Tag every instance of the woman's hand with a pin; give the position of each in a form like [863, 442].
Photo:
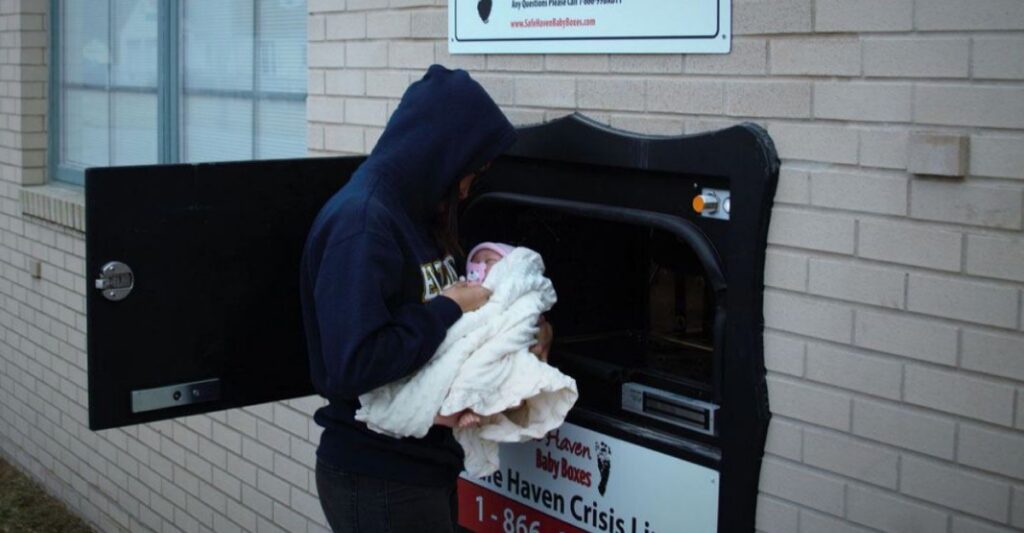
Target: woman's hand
[544, 337]
[469, 296]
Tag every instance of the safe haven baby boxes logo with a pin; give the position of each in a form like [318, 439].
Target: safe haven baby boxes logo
[562, 467]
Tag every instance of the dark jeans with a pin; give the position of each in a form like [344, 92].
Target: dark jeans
[356, 503]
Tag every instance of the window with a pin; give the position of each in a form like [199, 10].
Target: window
[166, 81]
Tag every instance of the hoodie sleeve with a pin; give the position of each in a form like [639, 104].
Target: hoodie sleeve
[364, 343]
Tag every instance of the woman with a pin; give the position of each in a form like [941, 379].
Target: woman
[379, 290]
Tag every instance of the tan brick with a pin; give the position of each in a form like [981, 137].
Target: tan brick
[785, 439]
[910, 244]
[386, 83]
[811, 522]
[387, 24]
[315, 82]
[995, 257]
[747, 56]
[366, 54]
[937, 154]
[897, 334]
[862, 101]
[325, 109]
[970, 301]
[863, 15]
[889, 512]
[468, 62]
[916, 57]
[816, 231]
[963, 524]
[346, 26]
[800, 484]
[997, 156]
[771, 16]
[429, 23]
[844, 455]
[648, 125]
[611, 94]
[414, 54]
[775, 516]
[794, 186]
[315, 27]
[850, 370]
[515, 62]
[811, 142]
[321, 54]
[501, 87]
[646, 64]
[810, 403]
[1017, 517]
[942, 484]
[785, 270]
[954, 392]
[815, 56]
[808, 316]
[966, 203]
[998, 58]
[875, 193]
[576, 63]
[784, 99]
[347, 82]
[547, 91]
[347, 139]
[784, 354]
[883, 148]
[994, 353]
[1000, 452]
[857, 282]
[685, 96]
[970, 105]
[970, 15]
[365, 112]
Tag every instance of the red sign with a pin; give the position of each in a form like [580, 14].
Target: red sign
[485, 511]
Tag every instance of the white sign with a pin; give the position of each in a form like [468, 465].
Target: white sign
[589, 26]
[580, 480]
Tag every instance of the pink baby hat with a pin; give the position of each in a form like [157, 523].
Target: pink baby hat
[476, 272]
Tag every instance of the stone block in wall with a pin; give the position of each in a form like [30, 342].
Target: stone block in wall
[776, 516]
[843, 454]
[747, 56]
[785, 270]
[545, 91]
[963, 299]
[857, 282]
[966, 203]
[811, 403]
[998, 156]
[785, 439]
[959, 393]
[994, 353]
[996, 257]
[812, 230]
[960, 15]
[847, 369]
[693, 96]
[905, 427]
[938, 154]
[815, 56]
[998, 58]
[887, 511]
[952, 487]
[909, 244]
[776, 98]
[801, 484]
[997, 451]
[872, 193]
[771, 16]
[345, 26]
[970, 105]
[614, 94]
[862, 101]
[863, 15]
[815, 142]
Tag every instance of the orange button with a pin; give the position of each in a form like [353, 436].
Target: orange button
[698, 203]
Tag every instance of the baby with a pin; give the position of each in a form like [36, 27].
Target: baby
[482, 257]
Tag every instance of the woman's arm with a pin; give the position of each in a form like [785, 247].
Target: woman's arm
[364, 343]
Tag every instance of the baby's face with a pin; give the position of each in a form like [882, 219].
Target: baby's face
[487, 257]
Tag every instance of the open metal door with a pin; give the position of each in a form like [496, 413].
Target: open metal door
[193, 271]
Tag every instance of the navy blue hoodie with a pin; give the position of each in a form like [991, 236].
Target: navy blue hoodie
[371, 272]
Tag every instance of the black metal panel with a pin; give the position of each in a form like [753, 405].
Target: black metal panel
[215, 251]
[577, 159]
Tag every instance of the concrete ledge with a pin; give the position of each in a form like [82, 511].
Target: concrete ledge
[60, 204]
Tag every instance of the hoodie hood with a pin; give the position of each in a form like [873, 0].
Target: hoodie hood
[445, 127]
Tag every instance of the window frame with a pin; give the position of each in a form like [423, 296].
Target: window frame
[170, 90]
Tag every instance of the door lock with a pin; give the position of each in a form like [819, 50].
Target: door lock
[116, 281]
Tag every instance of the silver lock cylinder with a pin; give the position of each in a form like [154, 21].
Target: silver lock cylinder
[116, 281]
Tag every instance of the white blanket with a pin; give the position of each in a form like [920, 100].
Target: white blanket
[484, 364]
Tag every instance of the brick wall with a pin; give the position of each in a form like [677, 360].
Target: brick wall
[893, 307]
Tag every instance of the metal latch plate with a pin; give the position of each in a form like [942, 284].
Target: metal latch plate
[175, 395]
